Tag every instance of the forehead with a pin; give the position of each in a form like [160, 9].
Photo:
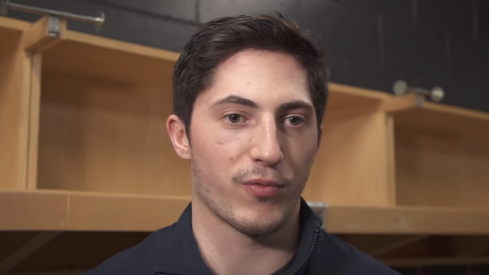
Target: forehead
[259, 75]
[246, 59]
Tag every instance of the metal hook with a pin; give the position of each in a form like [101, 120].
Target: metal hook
[401, 87]
[96, 21]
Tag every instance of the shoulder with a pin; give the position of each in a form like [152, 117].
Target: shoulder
[139, 259]
[334, 256]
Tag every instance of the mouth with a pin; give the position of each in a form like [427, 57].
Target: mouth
[263, 188]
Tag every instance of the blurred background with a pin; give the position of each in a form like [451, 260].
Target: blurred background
[101, 129]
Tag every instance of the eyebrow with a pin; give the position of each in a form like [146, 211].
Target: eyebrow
[288, 106]
[232, 99]
[297, 104]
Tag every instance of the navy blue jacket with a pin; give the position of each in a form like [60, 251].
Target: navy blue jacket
[173, 250]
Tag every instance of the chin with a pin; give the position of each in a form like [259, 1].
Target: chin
[258, 222]
[257, 228]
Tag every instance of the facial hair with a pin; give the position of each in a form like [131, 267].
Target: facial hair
[222, 207]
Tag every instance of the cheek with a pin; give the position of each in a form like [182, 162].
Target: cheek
[224, 147]
[207, 179]
[215, 153]
[227, 137]
[303, 156]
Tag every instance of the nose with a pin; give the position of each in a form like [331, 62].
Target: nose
[266, 145]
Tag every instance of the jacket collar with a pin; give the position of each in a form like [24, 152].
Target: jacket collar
[182, 255]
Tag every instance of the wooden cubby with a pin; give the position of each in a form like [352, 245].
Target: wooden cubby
[353, 161]
[85, 160]
[102, 119]
[442, 157]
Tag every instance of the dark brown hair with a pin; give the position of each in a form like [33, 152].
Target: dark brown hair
[221, 38]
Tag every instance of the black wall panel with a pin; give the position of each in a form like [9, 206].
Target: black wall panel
[371, 43]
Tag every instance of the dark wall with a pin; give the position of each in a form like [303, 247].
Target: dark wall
[371, 43]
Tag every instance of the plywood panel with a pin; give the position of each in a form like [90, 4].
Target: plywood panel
[34, 109]
[14, 110]
[84, 211]
[442, 167]
[11, 27]
[108, 136]
[90, 212]
[93, 56]
[32, 210]
[352, 163]
[406, 220]
[444, 119]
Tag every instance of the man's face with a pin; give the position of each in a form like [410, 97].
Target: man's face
[253, 140]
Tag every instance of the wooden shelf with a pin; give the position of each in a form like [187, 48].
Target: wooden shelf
[84, 211]
[406, 220]
[88, 211]
[109, 59]
[423, 115]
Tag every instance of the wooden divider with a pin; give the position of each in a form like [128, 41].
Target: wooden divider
[14, 104]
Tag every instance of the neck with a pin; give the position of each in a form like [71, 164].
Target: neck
[228, 251]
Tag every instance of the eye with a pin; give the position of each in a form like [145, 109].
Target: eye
[294, 120]
[233, 118]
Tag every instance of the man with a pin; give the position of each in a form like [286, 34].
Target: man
[249, 97]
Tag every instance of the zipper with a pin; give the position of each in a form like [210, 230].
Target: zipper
[316, 235]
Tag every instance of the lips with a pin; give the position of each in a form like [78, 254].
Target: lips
[262, 188]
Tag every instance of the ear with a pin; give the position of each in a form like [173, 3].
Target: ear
[178, 136]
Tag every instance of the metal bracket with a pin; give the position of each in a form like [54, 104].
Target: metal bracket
[418, 101]
[4, 7]
[96, 21]
[53, 26]
[436, 94]
[320, 209]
